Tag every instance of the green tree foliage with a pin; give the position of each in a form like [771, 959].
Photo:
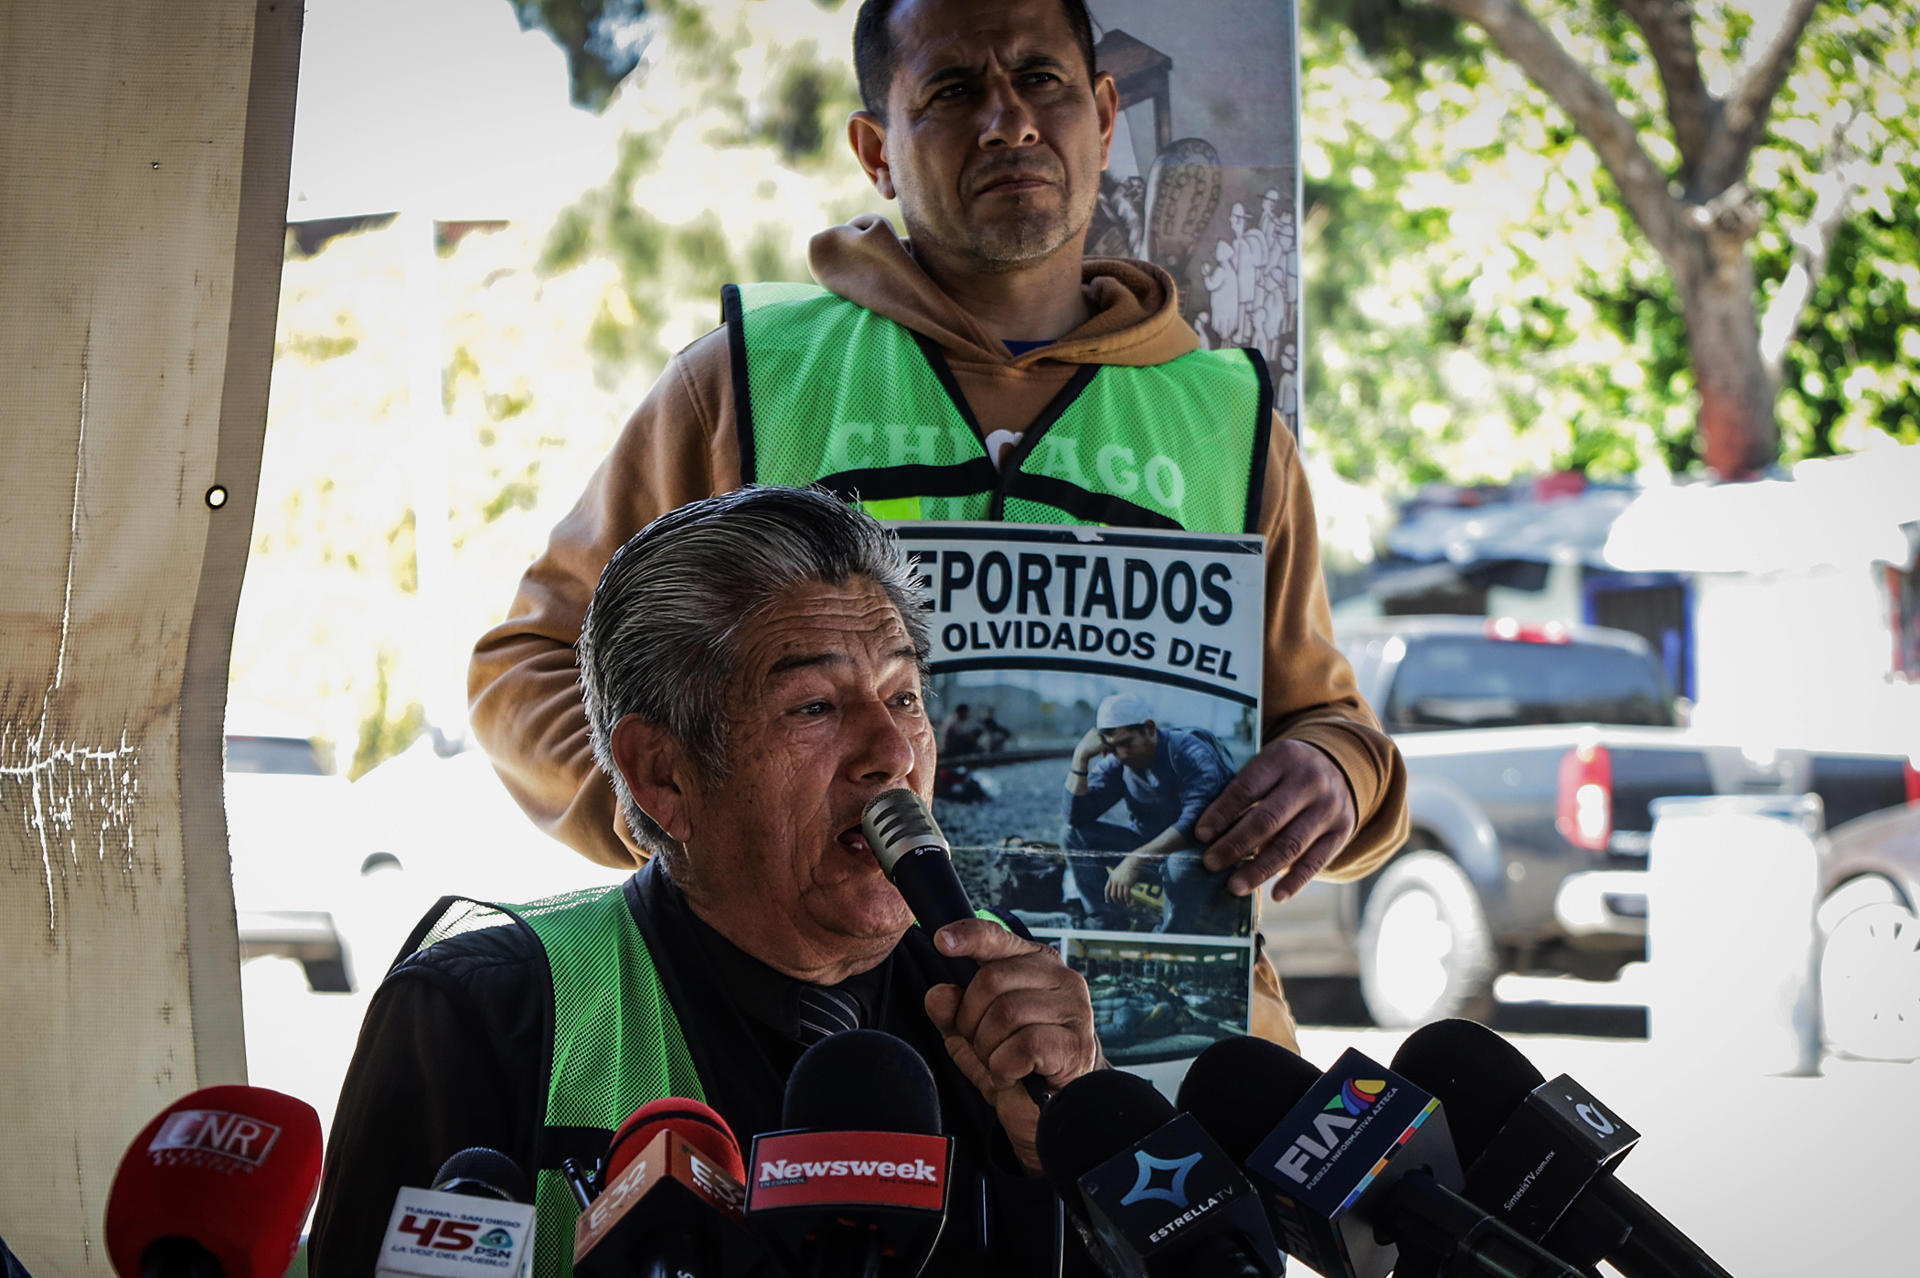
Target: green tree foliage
[732, 153]
[1481, 303]
[722, 156]
[603, 40]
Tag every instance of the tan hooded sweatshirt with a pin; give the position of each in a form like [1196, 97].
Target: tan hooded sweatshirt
[680, 444]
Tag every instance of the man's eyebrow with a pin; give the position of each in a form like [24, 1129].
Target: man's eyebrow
[812, 660]
[1035, 61]
[805, 661]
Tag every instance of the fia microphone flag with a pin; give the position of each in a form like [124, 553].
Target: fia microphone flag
[230, 1169]
[1344, 1144]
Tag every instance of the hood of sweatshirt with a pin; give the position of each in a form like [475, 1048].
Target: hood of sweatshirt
[1135, 312]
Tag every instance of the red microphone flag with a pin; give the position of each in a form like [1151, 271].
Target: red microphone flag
[232, 1168]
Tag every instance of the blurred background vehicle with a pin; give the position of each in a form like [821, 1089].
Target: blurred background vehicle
[433, 824]
[1533, 753]
[289, 835]
[1869, 936]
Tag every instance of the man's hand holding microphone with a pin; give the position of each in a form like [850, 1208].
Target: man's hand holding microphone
[1016, 1019]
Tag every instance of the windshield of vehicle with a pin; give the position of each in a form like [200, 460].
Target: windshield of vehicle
[1461, 681]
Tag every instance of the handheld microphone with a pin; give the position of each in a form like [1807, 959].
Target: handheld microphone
[918, 861]
[218, 1185]
[1148, 1188]
[1543, 1154]
[1358, 1164]
[671, 1202]
[476, 1219]
[857, 1184]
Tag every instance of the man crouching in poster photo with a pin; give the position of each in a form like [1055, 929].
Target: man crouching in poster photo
[1163, 779]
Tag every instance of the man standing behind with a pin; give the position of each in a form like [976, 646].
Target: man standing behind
[1164, 778]
[953, 376]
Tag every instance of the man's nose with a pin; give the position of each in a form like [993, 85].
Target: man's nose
[882, 747]
[1009, 121]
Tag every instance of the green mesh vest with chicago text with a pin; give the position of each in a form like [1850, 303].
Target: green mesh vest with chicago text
[616, 1042]
[829, 392]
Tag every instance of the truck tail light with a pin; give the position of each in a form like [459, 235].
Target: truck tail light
[1583, 808]
[1912, 771]
[1513, 631]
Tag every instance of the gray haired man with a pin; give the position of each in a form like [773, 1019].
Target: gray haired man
[752, 672]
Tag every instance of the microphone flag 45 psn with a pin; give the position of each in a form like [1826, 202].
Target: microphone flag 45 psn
[1148, 1188]
[1542, 1154]
[857, 1184]
[673, 1202]
[918, 861]
[476, 1221]
[218, 1184]
[1357, 1163]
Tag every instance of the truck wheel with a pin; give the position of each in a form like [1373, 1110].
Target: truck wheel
[1864, 889]
[1425, 953]
[1870, 984]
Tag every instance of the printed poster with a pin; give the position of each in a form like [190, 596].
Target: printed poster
[1132, 657]
[1204, 176]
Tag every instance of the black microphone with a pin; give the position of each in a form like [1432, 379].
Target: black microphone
[1542, 1154]
[856, 1186]
[1148, 1189]
[478, 1215]
[484, 1173]
[1358, 1163]
[918, 861]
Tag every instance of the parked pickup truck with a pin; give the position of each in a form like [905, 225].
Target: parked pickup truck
[1532, 755]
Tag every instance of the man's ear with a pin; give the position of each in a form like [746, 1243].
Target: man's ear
[1106, 105]
[867, 135]
[658, 772]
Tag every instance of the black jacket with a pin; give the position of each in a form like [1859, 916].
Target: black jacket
[452, 1055]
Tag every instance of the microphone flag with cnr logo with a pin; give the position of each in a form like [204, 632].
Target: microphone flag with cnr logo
[231, 1170]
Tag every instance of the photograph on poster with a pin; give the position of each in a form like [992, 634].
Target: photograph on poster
[1023, 842]
[1156, 1000]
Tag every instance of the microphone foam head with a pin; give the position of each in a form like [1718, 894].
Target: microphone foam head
[697, 1124]
[1093, 1118]
[1241, 1087]
[862, 1080]
[231, 1168]
[1478, 1077]
[896, 822]
[483, 1173]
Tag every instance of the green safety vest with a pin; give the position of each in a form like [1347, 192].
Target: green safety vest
[830, 393]
[616, 1042]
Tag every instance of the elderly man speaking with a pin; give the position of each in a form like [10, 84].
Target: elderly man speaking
[752, 671]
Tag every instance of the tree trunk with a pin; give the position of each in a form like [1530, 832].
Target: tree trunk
[1737, 430]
